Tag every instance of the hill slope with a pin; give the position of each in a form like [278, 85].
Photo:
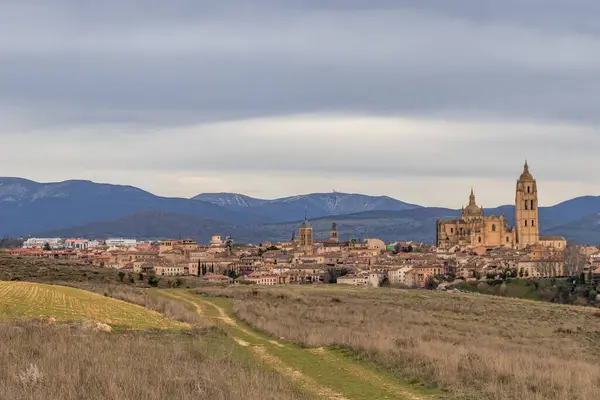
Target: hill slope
[156, 225]
[417, 225]
[584, 230]
[26, 300]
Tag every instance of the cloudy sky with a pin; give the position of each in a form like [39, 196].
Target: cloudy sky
[418, 100]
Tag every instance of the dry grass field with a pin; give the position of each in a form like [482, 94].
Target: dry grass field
[470, 346]
[25, 300]
[50, 351]
[63, 361]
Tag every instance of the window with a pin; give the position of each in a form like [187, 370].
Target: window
[532, 222]
[525, 222]
[526, 205]
[479, 239]
[507, 239]
[451, 230]
[531, 204]
[528, 189]
[493, 228]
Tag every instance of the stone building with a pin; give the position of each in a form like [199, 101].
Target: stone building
[475, 229]
[305, 237]
[526, 210]
[333, 234]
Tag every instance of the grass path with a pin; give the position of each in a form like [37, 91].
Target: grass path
[324, 373]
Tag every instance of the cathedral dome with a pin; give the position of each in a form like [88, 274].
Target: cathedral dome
[472, 208]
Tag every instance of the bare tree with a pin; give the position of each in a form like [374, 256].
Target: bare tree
[575, 261]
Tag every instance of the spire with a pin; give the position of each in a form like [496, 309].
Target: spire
[472, 198]
[305, 223]
[526, 175]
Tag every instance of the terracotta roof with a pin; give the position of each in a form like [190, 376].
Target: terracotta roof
[552, 238]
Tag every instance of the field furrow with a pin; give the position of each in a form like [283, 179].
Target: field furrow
[24, 300]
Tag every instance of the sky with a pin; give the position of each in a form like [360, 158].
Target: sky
[418, 100]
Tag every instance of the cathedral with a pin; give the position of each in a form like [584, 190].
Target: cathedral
[474, 228]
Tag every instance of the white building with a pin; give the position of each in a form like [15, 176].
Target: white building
[216, 240]
[120, 242]
[355, 280]
[79, 244]
[402, 275]
[54, 243]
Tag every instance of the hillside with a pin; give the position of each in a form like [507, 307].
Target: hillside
[314, 205]
[26, 300]
[584, 230]
[156, 225]
[466, 346]
[417, 225]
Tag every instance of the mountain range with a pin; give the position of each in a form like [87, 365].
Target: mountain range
[88, 209]
[316, 204]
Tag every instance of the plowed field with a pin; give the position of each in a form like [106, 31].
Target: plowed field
[24, 300]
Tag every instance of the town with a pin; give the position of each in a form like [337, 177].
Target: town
[474, 247]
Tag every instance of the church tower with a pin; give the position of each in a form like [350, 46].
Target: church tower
[305, 236]
[333, 234]
[526, 210]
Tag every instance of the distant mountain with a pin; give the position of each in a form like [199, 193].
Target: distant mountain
[84, 208]
[151, 225]
[419, 225]
[27, 207]
[584, 230]
[416, 224]
[314, 205]
[232, 201]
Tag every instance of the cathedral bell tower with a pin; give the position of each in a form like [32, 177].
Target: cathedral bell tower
[526, 210]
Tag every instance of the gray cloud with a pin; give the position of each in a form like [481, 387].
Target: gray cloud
[117, 72]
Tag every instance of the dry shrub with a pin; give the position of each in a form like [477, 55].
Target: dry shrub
[475, 346]
[68, 362]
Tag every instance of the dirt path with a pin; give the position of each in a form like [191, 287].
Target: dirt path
[320, 372]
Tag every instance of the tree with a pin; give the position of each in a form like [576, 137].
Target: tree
[334, 273]
[121, 275]
[141, 276]
[574, 260]
[47, 246]
[231, 273]
[430, 283]
[153, 281]
[521, 272]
